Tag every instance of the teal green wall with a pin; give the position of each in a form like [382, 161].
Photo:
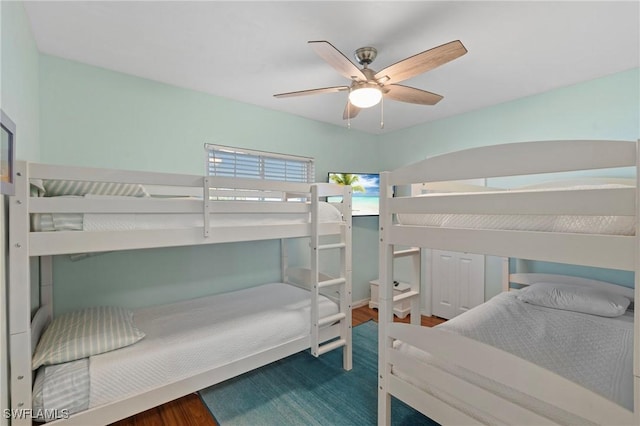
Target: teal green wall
[19, 88]
[605, 108]
[19, 99]
[95, 117]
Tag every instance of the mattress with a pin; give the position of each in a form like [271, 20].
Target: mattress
[41, 222]
[592, 351]
[182, 339]
[609, 225]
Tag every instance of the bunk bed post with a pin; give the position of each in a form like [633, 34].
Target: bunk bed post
[315, 275]
[206, 206]
[636, 322]
[385, 299]
[19, 300]
[46, 285]
[415, 286]
[284, 260]
[347, 272]
[505, 274]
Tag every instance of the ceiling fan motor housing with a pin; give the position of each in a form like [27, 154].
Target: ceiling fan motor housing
[366, 55]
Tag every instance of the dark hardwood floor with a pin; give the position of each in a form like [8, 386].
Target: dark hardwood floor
[190, 411]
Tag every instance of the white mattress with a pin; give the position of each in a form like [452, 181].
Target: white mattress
[609, 225]
[140, 221]
[595, 352]
[187, 338]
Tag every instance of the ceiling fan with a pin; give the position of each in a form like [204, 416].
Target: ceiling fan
[368, 86]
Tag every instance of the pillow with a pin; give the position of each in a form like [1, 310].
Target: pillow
[84, 333]
[575, 298]
[55, 188]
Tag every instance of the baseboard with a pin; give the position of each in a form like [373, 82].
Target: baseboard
[360, 303]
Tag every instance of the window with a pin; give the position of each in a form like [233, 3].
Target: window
[226, 161]
[243, 163]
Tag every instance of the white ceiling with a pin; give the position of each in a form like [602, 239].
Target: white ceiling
[248, 51]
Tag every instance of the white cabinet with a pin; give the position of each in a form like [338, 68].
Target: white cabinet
[457, 282]
[401, 308]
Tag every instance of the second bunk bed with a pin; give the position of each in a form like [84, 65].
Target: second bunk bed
[559, 351]
[140, 358]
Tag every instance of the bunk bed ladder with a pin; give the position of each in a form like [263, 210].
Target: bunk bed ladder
[320, 281]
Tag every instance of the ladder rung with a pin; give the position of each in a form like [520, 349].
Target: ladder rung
[408, 252]
[331, 246]
[405, 295]
[334, 281]
[331, 319]
[331, 346]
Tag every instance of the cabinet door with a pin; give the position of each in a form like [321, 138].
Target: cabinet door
[457, 282]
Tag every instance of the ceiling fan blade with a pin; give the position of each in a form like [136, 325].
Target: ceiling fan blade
[412, 95]
[337, 60]
[422, 62]
[350, 111]
[312, 91]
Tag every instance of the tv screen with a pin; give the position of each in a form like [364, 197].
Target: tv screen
[365, 191]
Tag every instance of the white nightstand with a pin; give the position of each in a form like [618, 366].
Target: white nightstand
[401, 308]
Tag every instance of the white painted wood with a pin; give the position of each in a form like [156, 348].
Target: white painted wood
[4, 347]
[401, 308]
[588, 202]
[636, 337]
[427, 403]
[608, 251]
[57, 172]
[605, 251]
[505, 274]
[19, 300]
[441, 379]
[468, 185]
[48, 243]
[457, 282]
[385, 297]
[515, 159]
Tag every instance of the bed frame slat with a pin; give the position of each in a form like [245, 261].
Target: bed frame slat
[605, 251]
[592, 202]
[516, 159]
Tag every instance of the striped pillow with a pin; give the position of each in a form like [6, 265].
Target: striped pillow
[55, 188]
[84, 333]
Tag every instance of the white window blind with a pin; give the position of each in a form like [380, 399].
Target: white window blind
[243, 163]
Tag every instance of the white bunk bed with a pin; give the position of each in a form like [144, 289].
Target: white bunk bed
[309, 309]
[448, 373]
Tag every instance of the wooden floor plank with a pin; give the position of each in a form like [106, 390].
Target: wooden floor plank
[190, 411]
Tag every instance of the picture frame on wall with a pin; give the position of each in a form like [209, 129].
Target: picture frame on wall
[7, 154]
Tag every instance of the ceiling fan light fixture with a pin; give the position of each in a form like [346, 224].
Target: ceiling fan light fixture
[365, 96]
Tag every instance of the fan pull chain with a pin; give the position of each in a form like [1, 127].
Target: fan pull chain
[382, 113]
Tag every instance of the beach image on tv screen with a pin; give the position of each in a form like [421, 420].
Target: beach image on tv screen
[365, 191]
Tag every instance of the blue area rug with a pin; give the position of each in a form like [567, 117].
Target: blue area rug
[303, 390]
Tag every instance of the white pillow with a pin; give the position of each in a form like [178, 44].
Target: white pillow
[575, 298]
[84, 333]
[56, 188]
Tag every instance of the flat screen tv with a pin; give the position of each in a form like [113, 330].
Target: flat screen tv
[365, 194]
